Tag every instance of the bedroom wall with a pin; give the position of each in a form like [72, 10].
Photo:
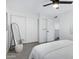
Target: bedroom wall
[31, 25]
[66, 25]
[28, 24]
[8, 36]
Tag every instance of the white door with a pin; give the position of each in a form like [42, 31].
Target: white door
[20, 20]
[46, 30]
[50, 30]
[31, 29]
[42, 30]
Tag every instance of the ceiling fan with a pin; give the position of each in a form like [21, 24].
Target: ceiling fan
[57, 2]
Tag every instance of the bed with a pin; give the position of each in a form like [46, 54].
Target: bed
[62, 49]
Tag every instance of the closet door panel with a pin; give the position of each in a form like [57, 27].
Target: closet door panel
[20, 20]
[42, 30]
[46, 30]
[50, 30]
[31, 29]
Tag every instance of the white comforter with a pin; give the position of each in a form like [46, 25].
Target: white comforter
[62, 49]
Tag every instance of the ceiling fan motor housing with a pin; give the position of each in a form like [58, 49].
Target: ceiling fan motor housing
[55, 1]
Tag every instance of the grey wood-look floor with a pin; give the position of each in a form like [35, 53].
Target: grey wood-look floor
[24, 54]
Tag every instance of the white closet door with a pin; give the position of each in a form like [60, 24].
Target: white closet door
[50, 30]
[31, 29]
[46, 30]
[20, 20]
[42, 30]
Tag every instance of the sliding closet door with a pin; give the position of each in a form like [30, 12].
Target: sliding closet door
[31, 29]
[20, 20]
[50, 30]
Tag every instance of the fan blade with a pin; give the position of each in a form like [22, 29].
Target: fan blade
[65, 2]
[47, 4]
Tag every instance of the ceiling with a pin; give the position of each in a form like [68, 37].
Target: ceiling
[36, 6]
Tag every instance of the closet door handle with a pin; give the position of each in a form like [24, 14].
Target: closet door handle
[47, 31]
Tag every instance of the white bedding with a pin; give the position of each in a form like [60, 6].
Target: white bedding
[62, 49]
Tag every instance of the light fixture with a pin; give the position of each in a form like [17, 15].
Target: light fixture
[56, 6]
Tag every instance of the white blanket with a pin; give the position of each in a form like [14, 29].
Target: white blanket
[54, 50]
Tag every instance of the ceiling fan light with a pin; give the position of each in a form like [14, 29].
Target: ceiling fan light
[56, 6]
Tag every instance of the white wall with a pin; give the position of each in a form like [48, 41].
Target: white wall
[7, 42]
[31, 25]
[8, 36]
[20, 20]
[66, 25]
[28, 24]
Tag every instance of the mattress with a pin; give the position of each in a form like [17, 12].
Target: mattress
[62, 49]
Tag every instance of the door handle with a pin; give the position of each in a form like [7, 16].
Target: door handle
[47, 31]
